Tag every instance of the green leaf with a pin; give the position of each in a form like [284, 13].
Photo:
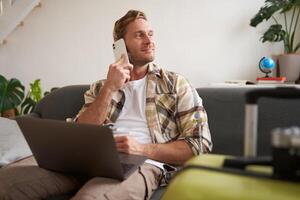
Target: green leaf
[36, 90]
[292, 40]
[263, 14]
[267, 11]
[297, 47]
[3, 88]
[33, 96]
[297, 2]
[12, 93]
[287, 5]
[270, 9]
[274, 34]
[27, 106]
[287, 47]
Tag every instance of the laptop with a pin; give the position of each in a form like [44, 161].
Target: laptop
[74, 148]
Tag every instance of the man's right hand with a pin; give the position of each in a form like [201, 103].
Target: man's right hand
[118, 73]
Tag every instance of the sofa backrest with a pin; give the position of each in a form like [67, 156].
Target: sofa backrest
[226, 114]
[225, 108]
[62, 103]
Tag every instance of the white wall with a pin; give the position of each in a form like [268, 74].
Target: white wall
[13, 13]
[69, 41]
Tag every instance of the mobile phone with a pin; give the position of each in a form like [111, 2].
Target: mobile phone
[119, 48]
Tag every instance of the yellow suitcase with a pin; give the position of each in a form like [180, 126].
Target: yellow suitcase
[224, 177]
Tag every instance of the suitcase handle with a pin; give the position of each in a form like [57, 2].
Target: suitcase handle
[279, 92]
[251, 112]
[243, 162]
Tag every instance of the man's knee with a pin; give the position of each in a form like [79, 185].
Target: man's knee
[139, 185]
[32, 182]
[12, 176]
[19, 182]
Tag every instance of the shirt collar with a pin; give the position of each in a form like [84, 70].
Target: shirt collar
[154, 69]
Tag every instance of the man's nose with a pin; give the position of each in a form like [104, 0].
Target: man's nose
[148, 39]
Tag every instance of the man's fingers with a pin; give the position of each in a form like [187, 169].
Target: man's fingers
[123, 150]
[122, 145]
[125, 71]
[124, 57]
[121, 138]
[126, 65]
[123, 63]
[127, 76]
[121, 60]
[124, 60]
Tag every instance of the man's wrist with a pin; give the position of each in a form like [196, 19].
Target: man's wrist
[104, 99]
[109, 88]
[149, 150]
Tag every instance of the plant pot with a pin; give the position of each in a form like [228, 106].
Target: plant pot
[9, 113]
[289, 66]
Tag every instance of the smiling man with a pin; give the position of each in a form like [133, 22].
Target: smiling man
[160, 113]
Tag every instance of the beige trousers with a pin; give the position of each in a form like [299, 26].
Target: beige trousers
[24, 180]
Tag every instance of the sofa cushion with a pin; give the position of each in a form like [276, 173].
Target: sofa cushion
[13, 145]
[62, 103]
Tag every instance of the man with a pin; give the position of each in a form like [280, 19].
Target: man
[158, 113]
[159, 110]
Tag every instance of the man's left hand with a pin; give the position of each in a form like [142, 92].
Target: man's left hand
[127, 144]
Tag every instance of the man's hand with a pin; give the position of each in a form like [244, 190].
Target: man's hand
[127, 144]
[118, 73]
[176, 152]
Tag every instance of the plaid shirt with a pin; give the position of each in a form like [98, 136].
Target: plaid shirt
[174, 109]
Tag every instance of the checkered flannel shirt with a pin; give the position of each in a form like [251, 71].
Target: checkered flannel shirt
[174, 109]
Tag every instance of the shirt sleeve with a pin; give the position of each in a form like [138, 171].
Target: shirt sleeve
[191, 118]
[89, 97]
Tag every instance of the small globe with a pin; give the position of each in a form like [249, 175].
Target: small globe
[266, 65]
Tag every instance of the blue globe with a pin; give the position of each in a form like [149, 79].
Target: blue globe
[266, 65]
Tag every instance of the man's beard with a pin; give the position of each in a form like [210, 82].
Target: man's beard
[140, 62]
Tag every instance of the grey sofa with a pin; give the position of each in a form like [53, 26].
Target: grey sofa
[225, 108]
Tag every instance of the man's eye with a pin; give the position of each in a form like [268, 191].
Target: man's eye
[138, 35]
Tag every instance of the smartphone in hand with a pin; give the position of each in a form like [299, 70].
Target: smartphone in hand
[119, 48]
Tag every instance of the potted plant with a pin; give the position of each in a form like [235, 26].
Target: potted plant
[12, 94]
[33, 96]
[285, 14]
[13, 100]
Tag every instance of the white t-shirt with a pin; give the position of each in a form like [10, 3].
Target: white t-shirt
[132, 119]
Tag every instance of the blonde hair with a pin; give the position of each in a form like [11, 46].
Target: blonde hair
[121, 24]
